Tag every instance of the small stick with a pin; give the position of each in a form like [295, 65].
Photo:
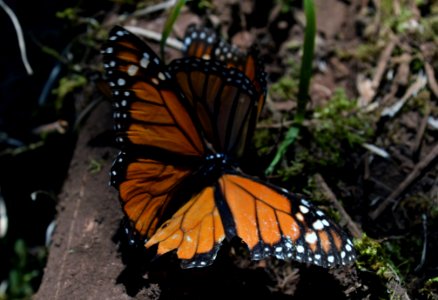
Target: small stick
[419, 137]
[430, 73]
[424, 251]
[354, 229]
[426, 161]
[156, 36]
[20, 37]
[383, 61]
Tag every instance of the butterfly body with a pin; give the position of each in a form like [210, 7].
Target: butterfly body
[183, 128]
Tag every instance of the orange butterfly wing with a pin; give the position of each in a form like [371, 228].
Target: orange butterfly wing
[204, 43]
[146, 187]
[150, 118]
[270, 220]
[148, 110]
[195, 231]
[274, 222]
[161, 111]
[224, 100]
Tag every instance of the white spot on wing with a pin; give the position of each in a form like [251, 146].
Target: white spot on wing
[300, 217]
[121, 81]
[144, 62]
[132, 70]
[311, 237]
[318, 225]
[161, 76]
[305, 202]
[303, 209]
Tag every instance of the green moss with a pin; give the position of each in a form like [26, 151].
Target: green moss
[336, 130]
[95, 166]
[285, 88]
[67, 85]
[23, 272]
[372, 257]
[340, 119]
[263, 141]
[338, 127]
[70, 14]
[430, 288]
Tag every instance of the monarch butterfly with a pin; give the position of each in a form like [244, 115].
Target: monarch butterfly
[182, 128]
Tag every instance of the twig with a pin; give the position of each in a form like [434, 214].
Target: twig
[424, 251]
[368, 88]
[383, 61]
[376, 150]
[172, 42]
[431, 78]
[412, 91]
[3, 218]
[123, 18]
[416, 146]
[284, 124]
[353, 228]
[430, 157]
[20, 37]
[153, 8]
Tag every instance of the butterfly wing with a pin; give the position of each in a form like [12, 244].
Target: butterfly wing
[146, 186]
[150, 118]
[271, 221]
[274, 222]
[200, 42]
[195, 231]
[204, 43]
[148, 110]
[224, 100]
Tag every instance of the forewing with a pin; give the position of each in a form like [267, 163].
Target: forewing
[149, 110]
[204, 43]
[224, 100]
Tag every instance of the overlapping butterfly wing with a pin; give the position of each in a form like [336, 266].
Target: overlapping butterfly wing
[149, 117]
[204, 43]
[271, 221]
[224, 99]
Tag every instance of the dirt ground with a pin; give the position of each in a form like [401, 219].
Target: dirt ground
[89, 257]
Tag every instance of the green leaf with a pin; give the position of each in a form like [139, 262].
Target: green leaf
[303, 88]
[169, 25]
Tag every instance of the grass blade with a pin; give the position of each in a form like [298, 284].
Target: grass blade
[303, 89]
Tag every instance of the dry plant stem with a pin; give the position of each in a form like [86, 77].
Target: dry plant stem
[413, 89]
[172, 42]
[20, 37]
[430, 73]
[145, 11]
[285, 124]
[154, 8]
[352, 227]
[416, 172]
[384, 58]
[420, 134]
